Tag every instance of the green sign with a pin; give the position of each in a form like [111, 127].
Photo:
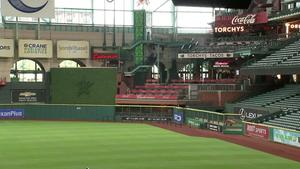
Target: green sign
[139, 35]
[194, 122]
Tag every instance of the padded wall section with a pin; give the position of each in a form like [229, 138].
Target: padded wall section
[83, 86]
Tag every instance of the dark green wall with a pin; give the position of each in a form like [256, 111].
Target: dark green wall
[5, 96]
[64, 112]
[7, 90]
[83, 86]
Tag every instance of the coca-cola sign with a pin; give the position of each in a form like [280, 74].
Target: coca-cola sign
[244, 20]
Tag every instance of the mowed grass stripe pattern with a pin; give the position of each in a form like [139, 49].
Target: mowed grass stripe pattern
[77, 145]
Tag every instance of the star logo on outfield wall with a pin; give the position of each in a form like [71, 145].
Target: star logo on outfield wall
[84, 87]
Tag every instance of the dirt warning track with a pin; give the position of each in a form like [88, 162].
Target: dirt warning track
[281, 150]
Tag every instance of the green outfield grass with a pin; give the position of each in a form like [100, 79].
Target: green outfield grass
[77, 145]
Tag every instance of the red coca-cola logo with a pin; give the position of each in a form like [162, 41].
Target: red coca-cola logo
[244, 20]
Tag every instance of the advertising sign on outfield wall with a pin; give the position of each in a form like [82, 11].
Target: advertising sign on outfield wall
[214, 127]
[11, 114]
[28, 96]
[178, 117]
[257, 131]
[7, 48]
[73, 49]
[286, 137]
[35, 49]
[28, 8]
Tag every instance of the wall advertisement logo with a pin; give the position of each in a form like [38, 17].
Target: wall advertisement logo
[257, 131]
[11, 113]
[35, 48]
[73, 49]
[286, 137]
[21, 6]
[247, 114]
[7, 48]
[3, 47]
[178, 117]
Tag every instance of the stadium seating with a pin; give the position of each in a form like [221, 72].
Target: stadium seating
[155, 91]
[284, 13]
[287, 97]
[291, 120]
[287, 56]
[218, 81]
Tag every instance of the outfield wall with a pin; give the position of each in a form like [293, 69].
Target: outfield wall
[83, 86]
[227, 123]
[58, 112]
[272, 133]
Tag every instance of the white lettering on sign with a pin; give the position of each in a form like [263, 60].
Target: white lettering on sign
[244, 20]
[295, 26]
[229, 29]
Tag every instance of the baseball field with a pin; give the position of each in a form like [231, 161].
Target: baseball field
[78, 145]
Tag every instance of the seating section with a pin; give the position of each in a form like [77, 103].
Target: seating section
[291, 120]
[156, 91]
[215, 81]
[284, 12]
[287, 97]
[287, 56]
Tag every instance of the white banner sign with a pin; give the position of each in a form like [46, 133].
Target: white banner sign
[204, 55]
[35, 49]
[7, 48]
[73, 49]
[286, 137]
[28, 8]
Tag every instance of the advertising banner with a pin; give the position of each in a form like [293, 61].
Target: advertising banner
[221, 64]
[11, 114]
[257, 131]
[244, 19]
[249, 113]
[204, 55]
[7, 48]
[28, 8]
[214, 127]
[286, 137]
[28, 96]
[35, 49]
[73, 49]
[178, 117]
[98, 53]
[194, 122]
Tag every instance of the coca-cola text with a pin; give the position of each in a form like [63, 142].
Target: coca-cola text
[244, 20]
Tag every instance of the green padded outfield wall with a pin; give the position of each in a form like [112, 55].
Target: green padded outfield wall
[83, 86]
[63, 112]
